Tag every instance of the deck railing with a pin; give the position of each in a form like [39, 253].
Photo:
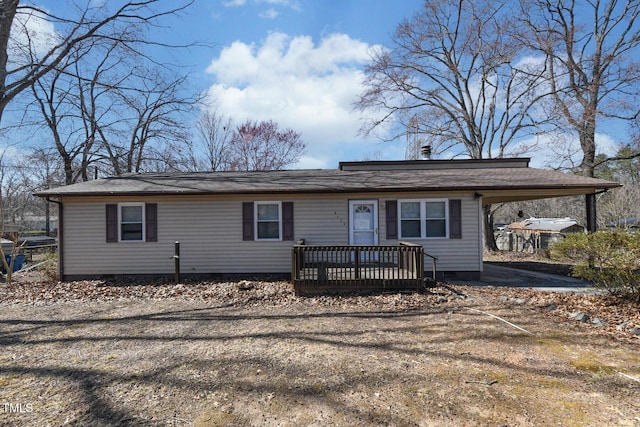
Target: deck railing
[357, 267]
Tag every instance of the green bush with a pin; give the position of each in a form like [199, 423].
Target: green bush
[609, 259]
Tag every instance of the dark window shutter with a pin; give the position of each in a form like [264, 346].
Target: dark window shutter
[112, 223]
[391, 208]
[455, 219]
[151, 222]
[247, 221]
[287, 220]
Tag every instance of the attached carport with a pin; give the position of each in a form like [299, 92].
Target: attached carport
[494, 180]
[557, 185]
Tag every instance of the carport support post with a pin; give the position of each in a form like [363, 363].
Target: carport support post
[176, 260]
[590, 201]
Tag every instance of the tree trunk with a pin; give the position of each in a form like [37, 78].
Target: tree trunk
[7, 12]
[588, 145]
[489, 237]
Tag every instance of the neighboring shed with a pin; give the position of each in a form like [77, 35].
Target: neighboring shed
[626, 223]
[535, 234]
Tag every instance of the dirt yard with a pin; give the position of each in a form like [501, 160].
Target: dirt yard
[252, 353]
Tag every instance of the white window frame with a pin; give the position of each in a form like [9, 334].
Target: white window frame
[144, 221]
[423, 218]
[256, 220]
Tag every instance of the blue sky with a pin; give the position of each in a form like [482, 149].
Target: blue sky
[297, 62]
[300, 62]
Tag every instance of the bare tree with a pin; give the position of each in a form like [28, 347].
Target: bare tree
[208, 150]
[41, 171]
[451, 79]
[219, 145]
[68, 101]
[51, 101]
[620, 206]
[263, 146]
[156, 109]
[214, 135]
[90, 21]
[12, 204]
[111, 107]
[117, 123]
[592, 72]
[12, 194]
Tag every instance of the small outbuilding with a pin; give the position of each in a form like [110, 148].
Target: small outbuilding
[536, 234]
[625, 223]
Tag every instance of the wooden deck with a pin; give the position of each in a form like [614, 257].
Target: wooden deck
[355, 268]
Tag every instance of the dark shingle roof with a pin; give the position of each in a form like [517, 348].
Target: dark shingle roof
[331, 181]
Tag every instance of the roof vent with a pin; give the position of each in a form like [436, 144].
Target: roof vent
[426, 152]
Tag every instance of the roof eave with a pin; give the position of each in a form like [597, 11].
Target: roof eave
[577, 188]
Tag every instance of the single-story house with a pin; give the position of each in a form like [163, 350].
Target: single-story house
[535, 234]
[248, 222]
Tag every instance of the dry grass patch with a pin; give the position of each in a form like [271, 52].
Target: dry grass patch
[399, 360]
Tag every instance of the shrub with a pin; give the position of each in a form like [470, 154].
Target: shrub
[50, 266]
[609, 259]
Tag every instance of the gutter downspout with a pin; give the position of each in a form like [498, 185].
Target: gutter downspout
[60, 238]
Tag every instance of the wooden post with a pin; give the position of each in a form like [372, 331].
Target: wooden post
[356, 259]
[294, 266]
[590, 201]
[176, 260]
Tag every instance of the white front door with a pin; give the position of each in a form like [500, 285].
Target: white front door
[363, 222]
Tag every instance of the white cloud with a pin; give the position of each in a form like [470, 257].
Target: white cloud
[292, 4]
[270, 13]
[234, 3]
[288, 3]
[307, 162]
[31, 34]
[563, 151]
[300, 85]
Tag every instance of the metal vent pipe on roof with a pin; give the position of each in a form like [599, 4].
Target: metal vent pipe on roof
[426, 152]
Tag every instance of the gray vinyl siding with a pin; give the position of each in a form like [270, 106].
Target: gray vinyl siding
[209, 229]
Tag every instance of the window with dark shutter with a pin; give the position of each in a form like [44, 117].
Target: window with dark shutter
[112, 222]
[127, 224]
[287, 220]
[391, 212]
[151, 222]
[426, 218]
[247, 221]
[131, 222]
[455, 219]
